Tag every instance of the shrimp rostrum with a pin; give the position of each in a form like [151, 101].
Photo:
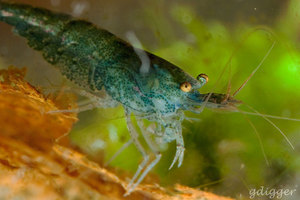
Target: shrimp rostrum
[96, 60]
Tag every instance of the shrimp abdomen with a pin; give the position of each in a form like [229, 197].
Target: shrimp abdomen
[77, 48]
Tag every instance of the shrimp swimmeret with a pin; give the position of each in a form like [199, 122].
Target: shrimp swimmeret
[146, 85]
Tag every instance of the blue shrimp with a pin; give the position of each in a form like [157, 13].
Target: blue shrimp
[97, 61]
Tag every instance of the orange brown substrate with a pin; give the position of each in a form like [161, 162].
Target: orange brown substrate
[23, 112]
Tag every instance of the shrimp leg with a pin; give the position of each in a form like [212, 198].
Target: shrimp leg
[148, 140]
[179, 148]
[93, 102]
[143, 165]
[154, 149]
[127, 144]
[134, 135]
[145, 172]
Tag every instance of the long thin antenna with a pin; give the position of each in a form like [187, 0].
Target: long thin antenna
[217, 82]
[214, 87]
[210, 183]
[268, 120]
[224, 69]
[261, 62]
[270, 116]
[258, 136]
[228, 85]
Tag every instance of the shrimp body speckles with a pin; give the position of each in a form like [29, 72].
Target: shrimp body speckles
[97, 60]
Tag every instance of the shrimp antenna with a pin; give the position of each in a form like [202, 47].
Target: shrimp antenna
[229, 84]
[210, 183]
[270, 116]
[214, 87]
[274, 125]
[261, 62]
[224, 69]
[258, 136]
[218, 80]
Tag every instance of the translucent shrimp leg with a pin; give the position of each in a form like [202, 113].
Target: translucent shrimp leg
[92, 102]
[134, 135]
[81, 108]
[179, 148]
[154, 149]
[127, 144]
[145, 172]
[148, 140]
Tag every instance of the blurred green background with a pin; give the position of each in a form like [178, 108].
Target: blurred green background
[223, 153]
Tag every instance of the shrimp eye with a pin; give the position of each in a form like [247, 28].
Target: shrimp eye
[186, 87]
[203, 78]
